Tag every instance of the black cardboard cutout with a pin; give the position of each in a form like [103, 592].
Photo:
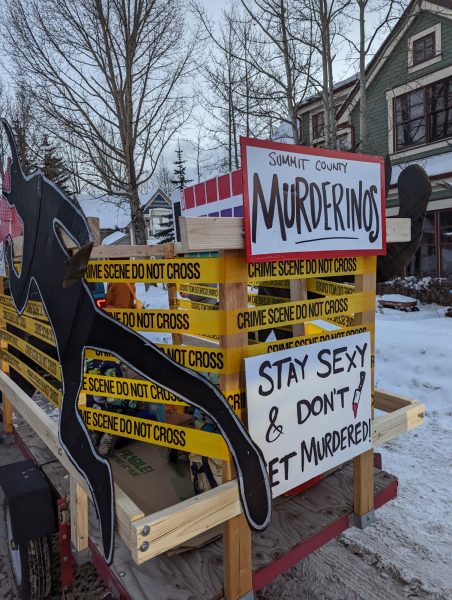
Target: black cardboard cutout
[77, 324]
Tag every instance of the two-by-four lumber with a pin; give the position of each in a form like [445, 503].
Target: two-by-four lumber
[363, 465]
[47, 429]
[223, 233]
[6, 405]
[237, 552]
[78, 506]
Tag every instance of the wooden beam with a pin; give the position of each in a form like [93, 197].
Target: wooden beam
[363, 465]
[387, 427]
[171, 526]
[390, 402]
[47, 430]
[200, 234]
[237, 556]
[156, 251]
[78, 506]
[6, 404]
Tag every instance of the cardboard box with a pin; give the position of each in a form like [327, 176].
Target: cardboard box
[143, 472]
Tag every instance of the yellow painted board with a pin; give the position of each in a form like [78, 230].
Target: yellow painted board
[154, 432]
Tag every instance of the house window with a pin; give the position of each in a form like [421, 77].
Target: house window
[318, 125]
[423, 115]
[445, 242]
[424, 48]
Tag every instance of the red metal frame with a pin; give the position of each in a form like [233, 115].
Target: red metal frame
[244, 142]
[302, 550]
[64, 543]
[260, 578]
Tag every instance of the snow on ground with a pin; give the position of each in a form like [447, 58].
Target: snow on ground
[414, 533]
[407, 553]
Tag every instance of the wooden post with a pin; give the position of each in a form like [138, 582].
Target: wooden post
[78, 506]
[298, 291]
[173, 305]
[6, 404]
[363, 465]
[238, 568]
[172, 293]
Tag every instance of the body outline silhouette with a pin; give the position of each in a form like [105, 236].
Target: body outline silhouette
[81, 325]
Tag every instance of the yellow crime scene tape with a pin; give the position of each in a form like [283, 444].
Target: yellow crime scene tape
[174, 270]
[261, 300]
[329, 288]
[33, 308]
[48, 363]
[43, 386]
[237, 321]
[37, 328]
[146, 391]
[206, 270]
[281, 284]
[194, 305]
[154, 432]
[199, 290]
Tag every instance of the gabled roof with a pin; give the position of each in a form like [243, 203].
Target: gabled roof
[337, 87]
[383, 53]
[158, 200]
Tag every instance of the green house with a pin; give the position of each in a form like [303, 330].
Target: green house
[409, 107]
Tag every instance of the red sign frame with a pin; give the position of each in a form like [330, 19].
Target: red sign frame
[321, 152]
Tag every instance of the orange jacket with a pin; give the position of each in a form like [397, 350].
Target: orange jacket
[119, 295]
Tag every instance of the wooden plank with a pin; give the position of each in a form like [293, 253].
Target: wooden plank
[174, 525]
[387, 427]
[298, 291]
[226, 233]
[389, 402]
[237, 559]
[47, 429]
[6, 404]
[78, 506]
[157, 251]
[364, 463]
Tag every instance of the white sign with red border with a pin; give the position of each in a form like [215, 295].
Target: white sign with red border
[302, 202]
[309, 408]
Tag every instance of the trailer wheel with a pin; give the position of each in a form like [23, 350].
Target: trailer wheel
[30, 564]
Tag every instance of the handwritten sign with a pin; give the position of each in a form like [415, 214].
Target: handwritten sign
[305, 202]
[309, 408]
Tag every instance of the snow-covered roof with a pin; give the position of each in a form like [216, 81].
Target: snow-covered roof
[113, 237]
[113, 213]
[438, 164]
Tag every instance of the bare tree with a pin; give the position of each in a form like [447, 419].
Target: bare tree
[327, 19]
[107, 75]
[384, 13]
[277, 66]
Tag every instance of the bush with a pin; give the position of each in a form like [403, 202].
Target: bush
[431, 290]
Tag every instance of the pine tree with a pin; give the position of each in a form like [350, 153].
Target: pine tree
[53, 166]
[166, 234]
